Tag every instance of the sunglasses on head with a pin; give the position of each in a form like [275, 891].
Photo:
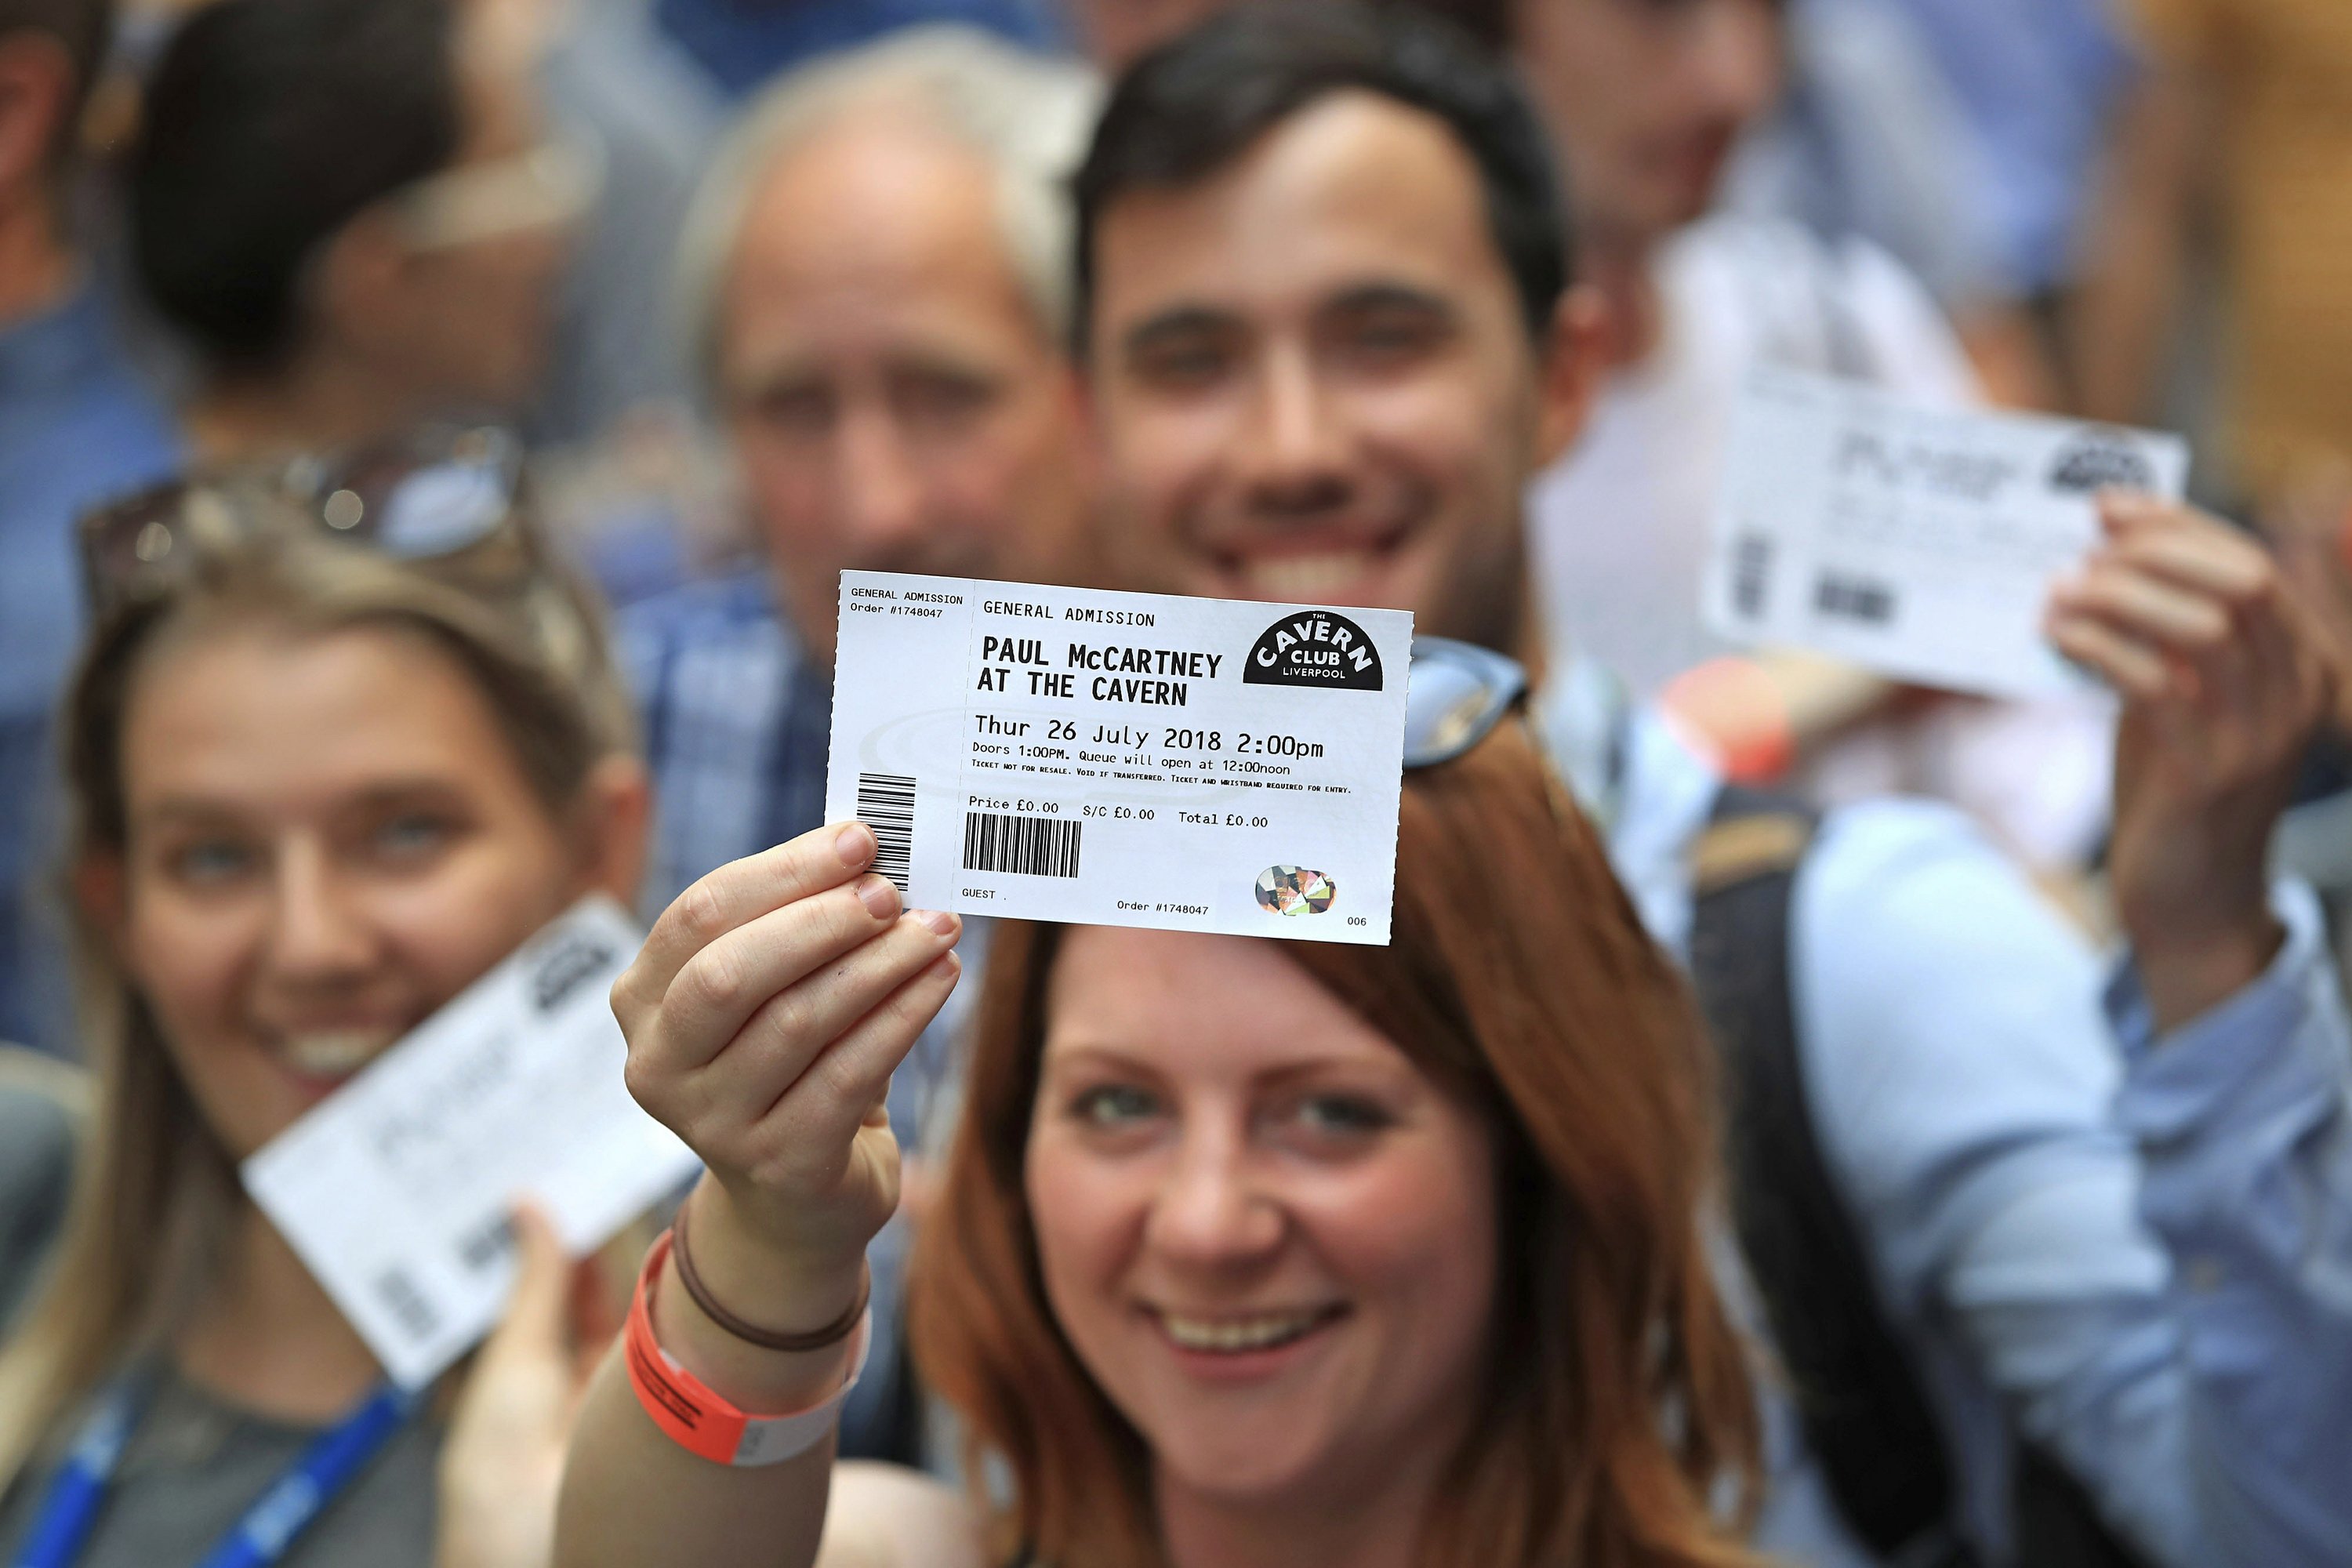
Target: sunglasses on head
[1458, 693]
[447, 493]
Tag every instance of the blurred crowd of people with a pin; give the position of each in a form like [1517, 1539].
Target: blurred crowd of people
[1891, 1128]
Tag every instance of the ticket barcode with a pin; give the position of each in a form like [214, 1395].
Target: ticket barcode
[1855, 599]
[1751, 575]
[407, 1304]
[886, 802]
[488, 1244]
[1026, 845]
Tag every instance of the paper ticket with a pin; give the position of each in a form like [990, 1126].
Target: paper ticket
[397, 1190]
[1123, 759]
[1919, 541]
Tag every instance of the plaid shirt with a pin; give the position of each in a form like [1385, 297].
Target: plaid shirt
[738, 721]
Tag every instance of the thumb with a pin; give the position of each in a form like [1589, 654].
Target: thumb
[596, 1315]
[536, 1310]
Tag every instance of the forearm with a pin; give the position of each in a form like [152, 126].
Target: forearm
[632, 1495]
[2244, 1122]
[633, 1498]
[2195, 957]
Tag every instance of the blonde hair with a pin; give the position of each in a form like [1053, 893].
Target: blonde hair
[154, 1191]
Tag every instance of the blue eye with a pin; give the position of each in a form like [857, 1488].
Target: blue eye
[1115, 1105]
[211, 861]
[1341, 1115]
[411, 837]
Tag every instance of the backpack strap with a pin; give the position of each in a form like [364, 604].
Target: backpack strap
[1865, 1416]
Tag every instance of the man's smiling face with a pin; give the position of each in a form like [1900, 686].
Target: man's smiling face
[1314, 379]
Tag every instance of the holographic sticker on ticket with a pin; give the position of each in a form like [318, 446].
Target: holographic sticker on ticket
[1123, 759]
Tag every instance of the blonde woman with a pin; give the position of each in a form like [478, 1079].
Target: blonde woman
[338, 745]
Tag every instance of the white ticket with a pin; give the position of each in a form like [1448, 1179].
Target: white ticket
[1123, 759]
[397, 1190]
[1919, 541]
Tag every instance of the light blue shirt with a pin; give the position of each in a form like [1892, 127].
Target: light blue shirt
[2144, 1252]
[78, 428]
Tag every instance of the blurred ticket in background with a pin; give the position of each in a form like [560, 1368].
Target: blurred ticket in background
[397, 1190]
[1123, 759]
[1918, 541]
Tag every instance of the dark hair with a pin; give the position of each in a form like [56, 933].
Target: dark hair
[1488, 21]
[269, 125]
[1194, 105]
[82, 28]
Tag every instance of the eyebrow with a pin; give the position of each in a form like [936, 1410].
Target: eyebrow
[1179, 321]
[202, 809]
[1094, 1056]
[1383, 294]
[1387, 296]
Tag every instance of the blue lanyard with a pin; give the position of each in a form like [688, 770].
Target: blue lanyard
[330, 1464]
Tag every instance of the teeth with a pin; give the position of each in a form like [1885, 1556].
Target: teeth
[333, 1053]
[1232, 1334]
[1307, 579]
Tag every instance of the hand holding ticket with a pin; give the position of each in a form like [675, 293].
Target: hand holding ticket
[1123, 759]
[396, 1192]
[1919, 543]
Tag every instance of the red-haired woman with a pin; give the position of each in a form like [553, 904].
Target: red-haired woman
[1248, 1253]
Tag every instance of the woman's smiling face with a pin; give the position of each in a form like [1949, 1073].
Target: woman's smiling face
[1269, 1236]
[329, 836]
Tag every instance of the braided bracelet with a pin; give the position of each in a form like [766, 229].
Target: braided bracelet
[833, 1333]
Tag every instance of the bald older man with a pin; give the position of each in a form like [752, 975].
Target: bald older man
[874, 277]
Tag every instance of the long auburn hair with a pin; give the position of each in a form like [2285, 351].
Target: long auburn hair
[155, 1192]
[1618, 1409]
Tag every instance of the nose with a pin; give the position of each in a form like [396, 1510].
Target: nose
[879, 491]
[1214, 1212]
[1292, 452]
[1736, 57]
[317, 935]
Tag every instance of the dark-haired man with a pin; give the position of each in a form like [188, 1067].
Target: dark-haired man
[1645, 103]
[1322, 275]
[75, 428]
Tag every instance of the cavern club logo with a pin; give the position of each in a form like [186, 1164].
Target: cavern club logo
[1314, 647]
[2100, 457]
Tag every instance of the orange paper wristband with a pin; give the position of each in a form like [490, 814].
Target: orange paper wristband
[1734, 709]
[698, 1419]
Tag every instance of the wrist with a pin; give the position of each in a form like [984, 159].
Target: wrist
[706, 1416]
[784, 1286]
[2184, 979]
[758, 1278]
[1732, 709]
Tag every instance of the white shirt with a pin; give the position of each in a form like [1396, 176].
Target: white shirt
[1617, 528]
[1620, 525]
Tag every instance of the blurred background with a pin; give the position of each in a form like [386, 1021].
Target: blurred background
[232, 232]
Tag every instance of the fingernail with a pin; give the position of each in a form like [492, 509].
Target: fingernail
[880, 898]
[854, 844]
[941, 922]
